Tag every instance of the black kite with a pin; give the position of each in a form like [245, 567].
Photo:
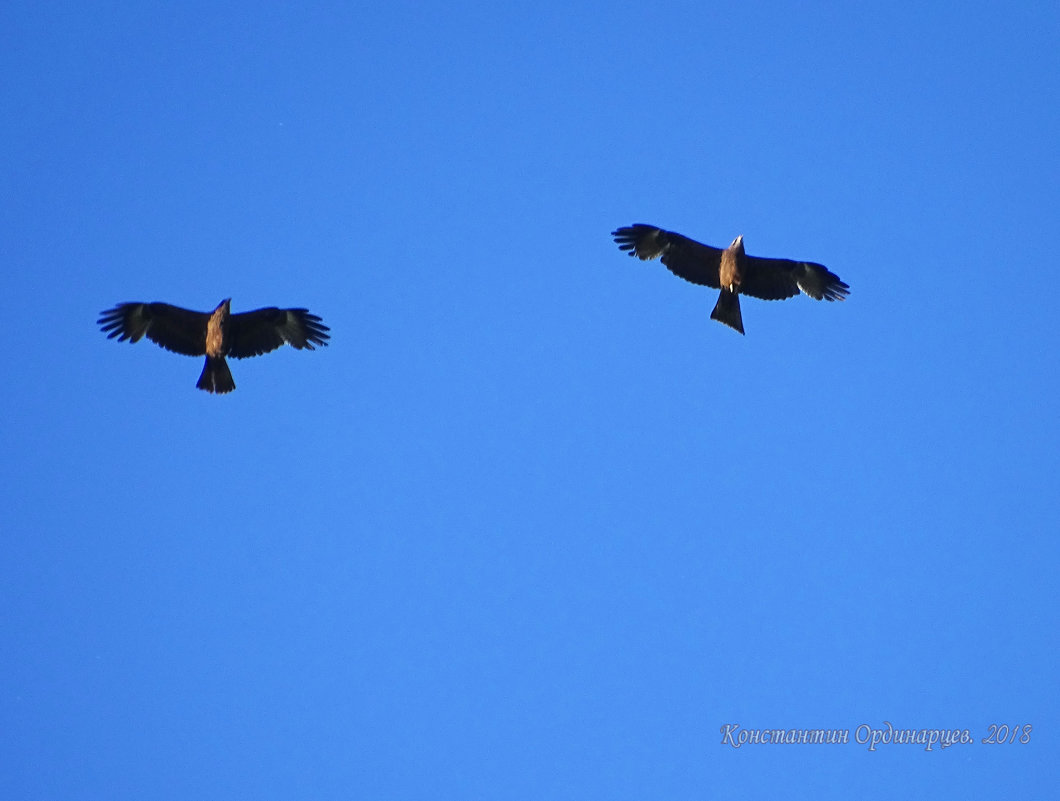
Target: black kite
[730, 270]
[215, 334]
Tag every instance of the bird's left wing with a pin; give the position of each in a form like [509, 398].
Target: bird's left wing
[176, 329]
[777, 279]
[263, 330]
[684, 257]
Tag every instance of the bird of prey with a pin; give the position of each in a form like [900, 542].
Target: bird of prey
[730, 270]
[215, 334]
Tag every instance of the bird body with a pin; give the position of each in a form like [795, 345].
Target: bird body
[215, 335]
[730, 270]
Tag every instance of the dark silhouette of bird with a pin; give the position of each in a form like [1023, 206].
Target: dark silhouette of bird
[216, 335]
[731, 270]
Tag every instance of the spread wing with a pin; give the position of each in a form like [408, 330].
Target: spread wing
[176, 329]
[684, 257]
[263, 330]
[777, 279]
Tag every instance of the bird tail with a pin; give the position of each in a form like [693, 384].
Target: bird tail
[216, 377]
[727, 310]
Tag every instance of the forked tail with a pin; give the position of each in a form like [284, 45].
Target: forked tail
[727, 310]
[216, 377]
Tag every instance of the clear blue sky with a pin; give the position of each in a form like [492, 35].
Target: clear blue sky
[533, 526]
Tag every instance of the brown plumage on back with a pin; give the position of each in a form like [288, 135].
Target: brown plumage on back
[731, 270]
[730, 276]
[216, 377]
[216, 335]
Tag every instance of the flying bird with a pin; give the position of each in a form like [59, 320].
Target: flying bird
[730, 270]
[215, 334]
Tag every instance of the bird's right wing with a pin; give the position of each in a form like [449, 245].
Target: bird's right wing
[777, 279]
[176, 329]
[684, 257]
[263, 330]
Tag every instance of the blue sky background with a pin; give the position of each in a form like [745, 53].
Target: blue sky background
[533, 526]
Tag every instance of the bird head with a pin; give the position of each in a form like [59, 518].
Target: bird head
[737, 244]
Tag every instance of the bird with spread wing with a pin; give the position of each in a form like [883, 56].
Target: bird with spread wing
[731, 270]
[216, 335]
